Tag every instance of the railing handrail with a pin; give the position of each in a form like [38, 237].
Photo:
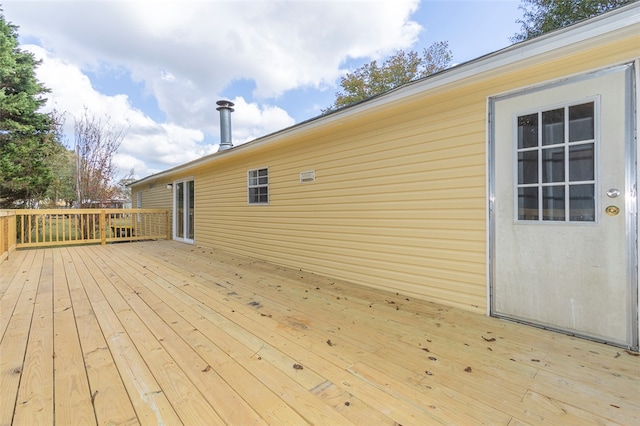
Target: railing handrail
[86, 210]
[48, 227]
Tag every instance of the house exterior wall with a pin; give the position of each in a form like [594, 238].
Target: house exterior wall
[155, 195]
[392, 206]
[400, 196]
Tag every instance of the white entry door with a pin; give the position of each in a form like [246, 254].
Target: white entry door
[562, 213]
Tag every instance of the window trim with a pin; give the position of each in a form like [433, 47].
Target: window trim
[250, 199]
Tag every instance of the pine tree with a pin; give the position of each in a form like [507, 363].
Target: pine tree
[28, 138]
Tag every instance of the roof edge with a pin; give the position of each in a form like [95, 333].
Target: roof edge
[600, 25]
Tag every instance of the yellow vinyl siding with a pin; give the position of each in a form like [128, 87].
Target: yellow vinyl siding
[154, 196]
[399, 200]
[393, 206]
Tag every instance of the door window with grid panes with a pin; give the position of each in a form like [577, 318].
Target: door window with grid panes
[556, 157]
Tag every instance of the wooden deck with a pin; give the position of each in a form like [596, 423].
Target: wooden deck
[167, 333]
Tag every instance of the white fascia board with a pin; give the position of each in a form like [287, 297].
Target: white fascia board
[545, 45]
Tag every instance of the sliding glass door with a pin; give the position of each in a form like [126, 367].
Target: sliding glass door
[183, 217]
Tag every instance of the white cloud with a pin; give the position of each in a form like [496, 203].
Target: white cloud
[148, 146]
[250, 120]
[187, 53]
[156, 145]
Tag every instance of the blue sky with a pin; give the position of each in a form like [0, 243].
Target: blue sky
[156, 68]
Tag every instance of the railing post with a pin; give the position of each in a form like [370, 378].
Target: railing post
[167, 216]
[103, 230]
[8, 234]
[13, 232]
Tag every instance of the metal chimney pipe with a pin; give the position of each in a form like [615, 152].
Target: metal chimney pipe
[225, 124]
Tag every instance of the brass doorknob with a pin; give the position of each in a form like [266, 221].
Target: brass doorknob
[612, 210]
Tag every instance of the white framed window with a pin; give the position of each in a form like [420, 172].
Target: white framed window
[258, 186]
[556, 164]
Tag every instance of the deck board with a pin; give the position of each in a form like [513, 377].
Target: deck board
[108, 394]
[35, 397]
[17, 320]
[166, 333]
[72, 394]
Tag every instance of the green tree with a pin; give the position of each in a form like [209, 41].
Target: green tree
[63, 185]
[542, 16]
[372, 79]
[28, 138]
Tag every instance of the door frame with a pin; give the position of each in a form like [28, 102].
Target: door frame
[632, 159]
[174, 204]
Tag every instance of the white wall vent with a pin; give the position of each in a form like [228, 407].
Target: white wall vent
[308, 176]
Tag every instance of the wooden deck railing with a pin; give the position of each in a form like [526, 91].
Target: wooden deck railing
[7, 231]
[38, 228]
